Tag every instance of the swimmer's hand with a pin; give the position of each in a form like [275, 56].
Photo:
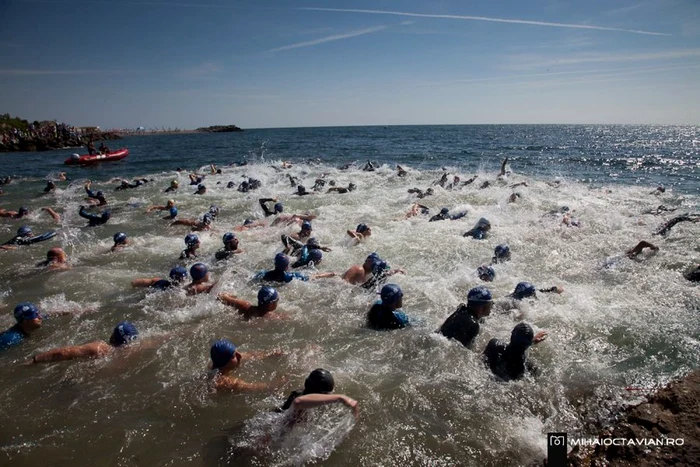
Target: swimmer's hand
[540, 336]
[351, 403]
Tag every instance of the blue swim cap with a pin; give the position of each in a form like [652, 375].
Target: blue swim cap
[479, 295]
[229, 237]
[306, 225]
[522, 335]
[222, 352]
[267, 295]
[313, 244]
[390, 294]
[374, 258]
[502, 251]
[106, 214]
[281, 262]
[124, 333]
[524, 290]
[22, 211]
[24, 231]
[178, 273]
[191, 240]
[361, 228]
[119, 237]
[483, 224]
[279, 207]
[198, 271]
[173, 212]
[316, 256]
[207, 219]
[214, 210]
[247, 221]
[201, 187]
[379, 266]
[486, 273]
[26, 311]
[444, 211]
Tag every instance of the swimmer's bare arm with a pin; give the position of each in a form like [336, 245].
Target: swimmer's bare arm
[232, 300]
[503, 166]
[228, 383]
[92, 350]
[194, 289]
[56, 217]
[395, 271]
[323, 275]
[639, 247]
[156, 208]
[144, 282]
[556, 289]
[304, 217]
[310, 401]
[354, 275]
[539, 337]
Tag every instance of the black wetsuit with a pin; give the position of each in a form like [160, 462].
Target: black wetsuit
[164, 284]
[263, 204]
[377, 279]
[508, 362]
[223, 254]
[94, 219]
[382, 318]
[461, 326]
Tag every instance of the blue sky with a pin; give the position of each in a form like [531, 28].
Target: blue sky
[256, 64]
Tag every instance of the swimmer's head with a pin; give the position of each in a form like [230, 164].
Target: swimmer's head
[99, 195]
[316, 256]
[174, 184]
[444, 211]
[501, 253]
[56, 253]
[247, 221]
[479, 295]
[524, 290]
[301, 189]
[123, 333]
[279, 208]
[214, 210]
[26, 311]
[362, 228]
[522, 335]
[178, 274]
[106, 214]
[222, 352]
[173, 212]
[483, 224]
[119, 238]
[391, 295]
[281, 262]
[191, 240]
[229, 237]
[201, 189]
[486, 273]
[199, 271]
[351, 187]
[429, 191]
[23, 211]
[372, 260]
[306, 226]
[267, 295]
[320, 381]
[24, 231]
[207, 219]
[380, 266]
[170, 203]
[313, 243]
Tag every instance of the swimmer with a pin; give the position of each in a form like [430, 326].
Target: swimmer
[401, 172]
[123, 335]
[281, 273]
[514, 197]
[168, 205]
[526, 290]
[501, 254]
[684, 218]
[200, 278]
[318, 391]
[631, 254]
[504, 173]
[54, 215]
[294, 181]
[196, 179]
[301, 191]
[268, 298]
[250, 224]
[509, 361]
[230, 247]
[486, 184]
[463, 324]
[174, 185]
[277, 209]
[479, 231]
[20, 213]
[417, 209]
[204, 224]
[470, 181]
[177, 276]
[370, 167]
[95, 198]
[308, 257]
[120, 241]
[693, 275]
[192, 245]
[172, 214]
[23, 237]
[659, 210]
[386, 313]
[342, 190]
[28, 319]
[201, 189]
[50, 186]
[612, 261]
[225, 358]
[420, 193]
[125, 185]
[215, 170]
[443, 179]
[56, 260]
[370, 274]
[361, 232]
[290, 245]
[291, 219]
[95, 219]
[486, 273]
[445, 214]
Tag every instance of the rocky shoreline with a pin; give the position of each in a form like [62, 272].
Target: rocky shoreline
[673, 413]
[51, 143]
[220, 129]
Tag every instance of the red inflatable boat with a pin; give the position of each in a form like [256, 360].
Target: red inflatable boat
[87, 159]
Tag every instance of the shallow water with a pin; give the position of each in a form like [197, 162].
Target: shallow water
[423, 400]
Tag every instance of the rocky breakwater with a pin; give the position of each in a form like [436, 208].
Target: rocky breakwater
[219, 129]
[670, 415]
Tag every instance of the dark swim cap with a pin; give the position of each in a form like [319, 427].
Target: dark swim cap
[247, 221]
[198, 271]
[191, 240]
[26, 311]
[301, 189]
[483, 224]
[106, 214]
[524, 290]
[316, 256]
[214, 211]
[313, 244]
[207, 219]
[281, 262]
[228, 237]
[351, 186]
[279, 207]
[320, 381]
[361, 228]
[267, 295]
[486, 273]
[119, 238]
[444, 211]
[173, 212]
[22, 211]
[522, 335]
[124, 333]
[99, 195]
[222, 352]
[479, 295]
[178, 274]
[24, 231]
[306, 225]
[201, 187]
[390, 294]
[502, 251]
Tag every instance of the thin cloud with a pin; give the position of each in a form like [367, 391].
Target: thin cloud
[145, 3]
[488, 19]
[530, 62]
[30, 72]
[323, 40]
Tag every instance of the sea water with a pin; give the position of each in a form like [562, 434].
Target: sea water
[423, 400]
